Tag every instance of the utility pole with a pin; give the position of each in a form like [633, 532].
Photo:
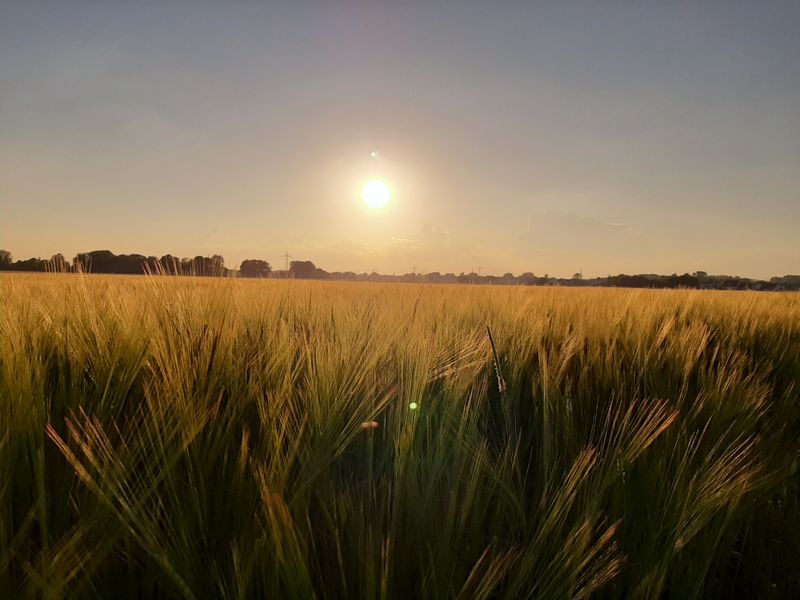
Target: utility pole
[286, 257]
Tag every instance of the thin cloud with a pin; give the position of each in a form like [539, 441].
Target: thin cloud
[571, 233]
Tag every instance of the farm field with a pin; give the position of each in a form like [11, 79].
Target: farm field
[221, 438]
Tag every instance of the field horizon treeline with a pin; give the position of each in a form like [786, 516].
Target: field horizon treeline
[106, 262]
[181, 437]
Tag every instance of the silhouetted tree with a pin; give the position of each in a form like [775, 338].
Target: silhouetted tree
[254, 268]
[169, 265]
[105, 261]
[303, 269]
[32, 264]
[58, 264]
[204, 266]
[5, 259]
[434, 277]
[217, 265]
[81, 263]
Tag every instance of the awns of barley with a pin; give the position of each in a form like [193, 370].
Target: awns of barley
[179, 437]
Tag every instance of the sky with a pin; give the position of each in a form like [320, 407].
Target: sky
[602, 137]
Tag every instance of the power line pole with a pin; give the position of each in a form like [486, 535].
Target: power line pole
[286, 257]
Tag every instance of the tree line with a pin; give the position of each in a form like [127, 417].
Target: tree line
[105, 261]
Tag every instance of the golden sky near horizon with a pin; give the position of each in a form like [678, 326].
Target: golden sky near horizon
[544, 138]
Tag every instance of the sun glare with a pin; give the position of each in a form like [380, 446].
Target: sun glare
[375, 194]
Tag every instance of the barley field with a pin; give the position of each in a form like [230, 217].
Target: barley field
[205, 438]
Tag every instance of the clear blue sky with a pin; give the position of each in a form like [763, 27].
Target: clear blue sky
[518, 136]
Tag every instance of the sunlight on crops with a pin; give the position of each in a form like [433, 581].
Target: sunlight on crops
[189, 437]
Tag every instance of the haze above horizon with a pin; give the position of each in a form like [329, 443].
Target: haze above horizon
[607, 139]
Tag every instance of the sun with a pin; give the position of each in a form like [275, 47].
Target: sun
[375, 194]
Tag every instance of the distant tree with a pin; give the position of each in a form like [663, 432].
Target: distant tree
[130, 264]
[151, 265]
[58, 264]
[205, 266]
[32, 264]
[218, 265]
[82, 263]
[434, 277]
[577, 276]
[169, 265]
[305, 269]
[255, 268]
[5, 259]
[200, 265]
[301, 269]
[103, 261]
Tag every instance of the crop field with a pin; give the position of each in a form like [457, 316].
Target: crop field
[219, 438]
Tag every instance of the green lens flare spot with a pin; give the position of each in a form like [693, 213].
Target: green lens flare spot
[413, 406]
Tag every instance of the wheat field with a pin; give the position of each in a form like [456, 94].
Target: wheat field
[180, 437]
